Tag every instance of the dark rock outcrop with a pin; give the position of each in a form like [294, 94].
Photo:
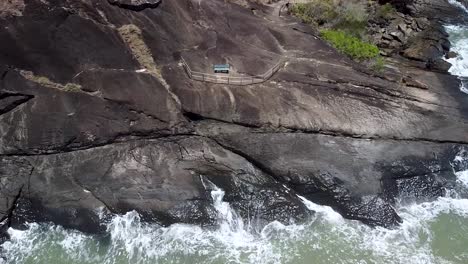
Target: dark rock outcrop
[161, 179]
[136, 5]
[417, 31]
[97, 117]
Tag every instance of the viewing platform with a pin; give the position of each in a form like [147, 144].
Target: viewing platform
[222, 75]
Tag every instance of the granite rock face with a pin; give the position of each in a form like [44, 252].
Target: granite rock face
[98, 117]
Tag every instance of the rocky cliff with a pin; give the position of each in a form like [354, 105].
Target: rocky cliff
[98, 117]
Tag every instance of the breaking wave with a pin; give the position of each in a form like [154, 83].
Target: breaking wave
[431, 232]
[458, 36]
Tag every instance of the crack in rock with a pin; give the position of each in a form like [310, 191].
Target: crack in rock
[136, 5]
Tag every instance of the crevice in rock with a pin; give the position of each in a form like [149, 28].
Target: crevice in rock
[267, 129]
[118, 139]
[194, 117]
[14, 100]
[10, 211]
[329, 193]
[107, 206]
[250, 159]
[4, 74]
[138, 6]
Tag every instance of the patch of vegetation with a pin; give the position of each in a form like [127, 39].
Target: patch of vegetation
[350, 45]
[344, 25]
[133, 37]
[385, 11]
[318, 12]
[347, 16]
[46, 82]
[72, 87]
[378, 65]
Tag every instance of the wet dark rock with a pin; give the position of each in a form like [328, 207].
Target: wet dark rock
[439, 65]
[160, 179]
[417, 33]
[140, 135]
[332, 174]
[451, 55]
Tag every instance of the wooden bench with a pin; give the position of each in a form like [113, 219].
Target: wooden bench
[221, 68]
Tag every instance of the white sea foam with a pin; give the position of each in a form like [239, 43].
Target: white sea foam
[458, 36]
[326, 211]
[458, 4]
[326, 238]
[463, 177]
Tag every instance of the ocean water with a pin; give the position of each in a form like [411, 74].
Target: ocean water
[431, 232]
[458, 36]
[459, 39]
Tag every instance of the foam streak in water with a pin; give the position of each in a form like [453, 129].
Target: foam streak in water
[458, 4]
[431, 233]
[458, 36]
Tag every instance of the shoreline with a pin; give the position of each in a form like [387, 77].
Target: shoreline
[130, 140]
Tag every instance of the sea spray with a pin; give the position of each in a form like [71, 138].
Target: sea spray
[458, 37]
[458, 4]
[431, 232]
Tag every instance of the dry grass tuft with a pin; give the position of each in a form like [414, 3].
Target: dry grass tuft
[133, 36]
[46, 82]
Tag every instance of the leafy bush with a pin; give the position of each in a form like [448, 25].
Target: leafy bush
[346, 15]
[353, 18]
[318, 11]
[385, 11]
[350, 45]
[378, 65]
[354, 11]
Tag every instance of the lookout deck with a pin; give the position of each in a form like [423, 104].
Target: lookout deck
[228, 79]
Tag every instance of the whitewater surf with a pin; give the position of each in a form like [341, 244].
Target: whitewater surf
[431, 232]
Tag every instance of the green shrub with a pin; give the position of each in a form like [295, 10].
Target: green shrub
[344, 15]
[353, 18]
[72, 87]
[318, 11]
[356, 28]
[350, 45]
[385, 11]
[378, 65]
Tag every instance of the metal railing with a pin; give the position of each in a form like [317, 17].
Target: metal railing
[232, 80]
